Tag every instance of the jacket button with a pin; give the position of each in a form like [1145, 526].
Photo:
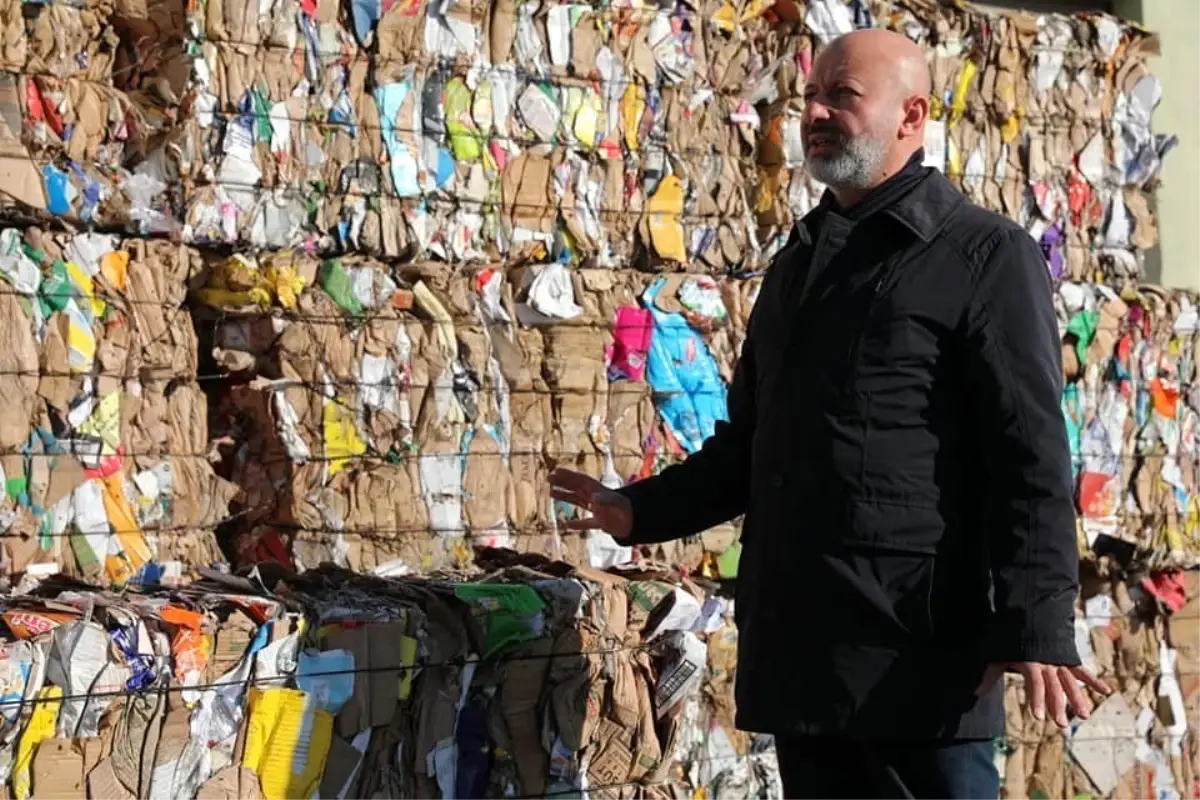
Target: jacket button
[776, 480]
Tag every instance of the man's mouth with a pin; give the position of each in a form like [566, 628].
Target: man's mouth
[818, 143]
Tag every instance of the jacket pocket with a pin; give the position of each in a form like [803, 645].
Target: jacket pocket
[894, 550]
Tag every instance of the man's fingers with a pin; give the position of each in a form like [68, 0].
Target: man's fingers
[1090, 680]
[572, 497]
[1056, 699]
[1035, 691]
[588, 524]
[574, 481]
[1075, 696]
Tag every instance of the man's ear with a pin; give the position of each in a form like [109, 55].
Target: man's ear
[916, 111]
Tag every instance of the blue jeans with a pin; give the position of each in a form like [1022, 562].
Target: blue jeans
[824, 767]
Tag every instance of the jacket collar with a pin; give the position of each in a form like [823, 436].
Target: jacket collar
[927, 208]
[924, 211]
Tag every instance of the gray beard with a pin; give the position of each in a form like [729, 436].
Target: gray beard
[855, 167]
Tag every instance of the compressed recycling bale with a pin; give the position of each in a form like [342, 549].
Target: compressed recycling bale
[1032, 108]
[614, 137]
[346, 364]
[580, 113]
[1132, 410]
[84, 92]
[544, 678]
[103, 440]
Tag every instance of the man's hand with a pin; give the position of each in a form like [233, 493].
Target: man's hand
[1048, 686]
[611, 512]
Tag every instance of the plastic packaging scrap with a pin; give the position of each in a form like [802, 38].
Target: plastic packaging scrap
[85, 89]
[372, 407]
[1141, 741]
[103, 441]
[537, 679]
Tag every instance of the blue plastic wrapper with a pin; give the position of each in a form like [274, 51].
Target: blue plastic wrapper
[689, 393]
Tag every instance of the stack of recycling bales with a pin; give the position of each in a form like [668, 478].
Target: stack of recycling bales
[464, 243]
[524, 142]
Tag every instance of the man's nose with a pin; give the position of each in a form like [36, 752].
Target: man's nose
[815, 111]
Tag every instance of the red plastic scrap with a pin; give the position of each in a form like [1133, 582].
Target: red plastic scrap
[1168, 588]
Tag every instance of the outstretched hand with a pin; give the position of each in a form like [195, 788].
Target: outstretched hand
[611, 511]
[1049, 687]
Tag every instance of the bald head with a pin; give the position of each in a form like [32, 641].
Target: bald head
[867, 99]
[903, 62]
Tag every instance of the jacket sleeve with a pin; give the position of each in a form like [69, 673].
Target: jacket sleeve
[1014, 385]
[713, 484]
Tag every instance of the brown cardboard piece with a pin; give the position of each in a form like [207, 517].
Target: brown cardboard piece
[375, 648]
[60, 766]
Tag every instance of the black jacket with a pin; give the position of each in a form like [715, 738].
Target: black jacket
[896, 444]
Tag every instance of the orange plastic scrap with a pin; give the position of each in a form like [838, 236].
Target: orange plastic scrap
[191, 646]
[1165, 395]
[29, 624]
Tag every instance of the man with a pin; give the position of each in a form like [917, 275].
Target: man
[896, 445]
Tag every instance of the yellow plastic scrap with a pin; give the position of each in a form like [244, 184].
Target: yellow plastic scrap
[587, 125]
[755, 9]
[408, 658]
[115, 267]
[1191, 521]
[286, 285]
[1011, 127]
[958, 103]
[83, 283]
[105, 423]
[81, 340]
[1174, 537]
[287, 742]
[238, 282]
[342, 441]
[726, 17]
[40, 728]
[664, 210]
[633, 105]
[953, 159]
[136, 553]
[462, 552]
[768, 188]
[464, 139]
